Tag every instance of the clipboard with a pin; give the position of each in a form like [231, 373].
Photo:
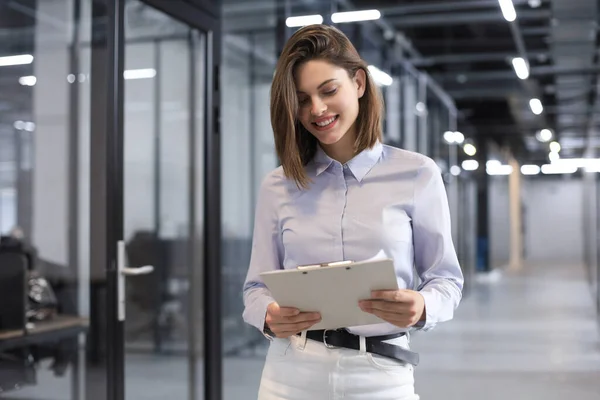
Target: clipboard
[333, 289]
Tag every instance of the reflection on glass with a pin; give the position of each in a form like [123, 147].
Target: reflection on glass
[248, 154]
[157, 205]
[43, 204]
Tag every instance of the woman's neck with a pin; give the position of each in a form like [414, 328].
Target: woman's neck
[341, 151]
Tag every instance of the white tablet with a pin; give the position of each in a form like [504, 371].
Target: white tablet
[333, 290]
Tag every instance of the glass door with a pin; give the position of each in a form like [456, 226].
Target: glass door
[162, 199]
[160, 176]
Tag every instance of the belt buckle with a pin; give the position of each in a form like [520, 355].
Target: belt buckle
[325, 339]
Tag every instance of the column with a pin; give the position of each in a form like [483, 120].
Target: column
[483, 248]
[51, 116]
[516, 232]
[409, 138]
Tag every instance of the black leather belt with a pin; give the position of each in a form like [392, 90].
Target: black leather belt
[374, 344]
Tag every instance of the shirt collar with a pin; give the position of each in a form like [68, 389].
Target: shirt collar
[360, 165]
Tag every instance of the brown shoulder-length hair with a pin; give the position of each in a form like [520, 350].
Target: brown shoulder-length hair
[294, 144]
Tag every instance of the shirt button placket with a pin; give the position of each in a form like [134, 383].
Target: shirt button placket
[344, 185]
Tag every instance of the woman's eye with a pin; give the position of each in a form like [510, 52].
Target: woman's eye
[331, 92]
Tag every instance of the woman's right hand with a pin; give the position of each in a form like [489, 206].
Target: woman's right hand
[285, 321]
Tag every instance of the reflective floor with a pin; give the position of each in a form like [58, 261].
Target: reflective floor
[530, 335]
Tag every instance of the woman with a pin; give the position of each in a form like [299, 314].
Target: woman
[342, 195]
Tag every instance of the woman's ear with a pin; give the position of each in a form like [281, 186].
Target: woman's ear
[360, 81]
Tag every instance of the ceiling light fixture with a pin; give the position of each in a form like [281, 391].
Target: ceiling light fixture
[545, 135]
[303, 20]
[558, 169]
[530, 169]
[508, 10]
[536, 106]
[470, 165]
[454, 137]
[521, 68]
[555, 147]
[28, 80]
[355, 16]
[469, 149]
[22, 59]
[139, 73]
[455, 170]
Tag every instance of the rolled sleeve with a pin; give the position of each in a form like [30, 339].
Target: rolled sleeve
[435, 256]
[266, 254]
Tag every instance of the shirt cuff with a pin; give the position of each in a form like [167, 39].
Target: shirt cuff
[259, 309]
[431, 306]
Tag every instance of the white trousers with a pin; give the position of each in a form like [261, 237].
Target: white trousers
[301, 369]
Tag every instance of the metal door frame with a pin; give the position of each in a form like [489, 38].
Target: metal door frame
[107, 189]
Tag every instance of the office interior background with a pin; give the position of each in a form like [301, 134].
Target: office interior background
[503, 95]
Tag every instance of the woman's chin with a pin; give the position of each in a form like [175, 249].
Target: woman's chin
[328, 138]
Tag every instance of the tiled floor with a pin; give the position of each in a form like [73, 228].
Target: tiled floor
[532, 335]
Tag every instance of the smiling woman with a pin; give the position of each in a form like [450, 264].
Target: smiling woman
[319, 78]
[342, 195]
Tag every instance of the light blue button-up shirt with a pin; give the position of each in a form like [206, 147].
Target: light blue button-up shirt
[385, 201]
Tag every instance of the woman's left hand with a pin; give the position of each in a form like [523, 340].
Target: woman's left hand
[403, 308]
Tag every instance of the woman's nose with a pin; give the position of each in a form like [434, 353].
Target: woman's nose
[318, 108]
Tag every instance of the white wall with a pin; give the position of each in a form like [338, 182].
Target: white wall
[499, 220]
[553, 219]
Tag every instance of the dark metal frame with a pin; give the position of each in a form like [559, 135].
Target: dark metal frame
[114, 153]
[107, 188]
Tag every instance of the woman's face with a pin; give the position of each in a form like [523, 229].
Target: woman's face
[328, 100]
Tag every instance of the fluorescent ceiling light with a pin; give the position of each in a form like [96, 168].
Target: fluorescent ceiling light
[16, 60]
[380, 77]
[470, 165]
[545, 135]
[469, 149]
[501, 169]
[521, 68]
[558, 169]
[354, 16]
[455, 170]
[588, 163]
[493, 164]
[553, 156]
[528, 169]
[508, 10]
[536, 106]
[459, 137]
[28, 80]
[535, 3]
[555, 147]
[303, 20]
[454, 137]
[139, 73]
[495, 167]
[24, 126]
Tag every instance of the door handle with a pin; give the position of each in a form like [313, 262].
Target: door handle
[122, 272]
[146, 269]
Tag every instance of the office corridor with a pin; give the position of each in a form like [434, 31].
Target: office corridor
[528, 335]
